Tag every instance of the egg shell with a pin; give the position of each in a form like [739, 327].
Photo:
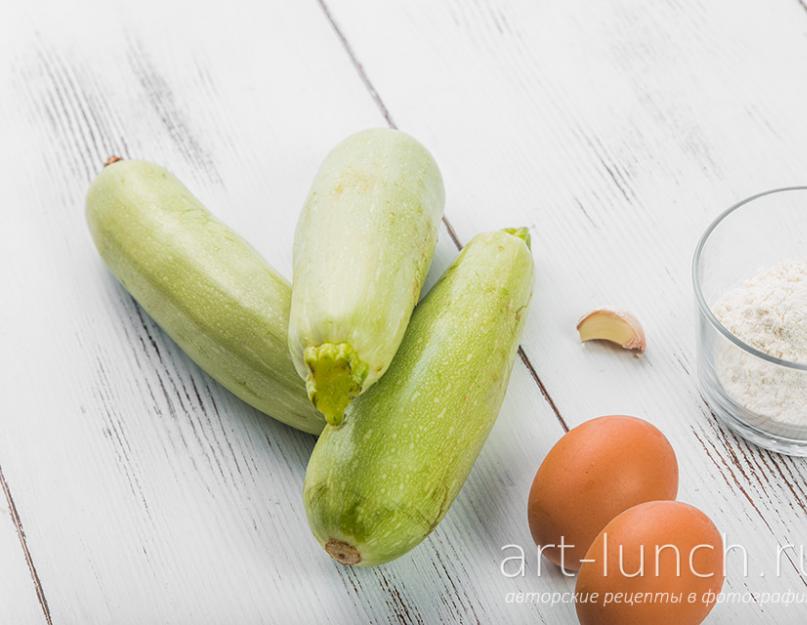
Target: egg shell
[597, 470]
[649, 526]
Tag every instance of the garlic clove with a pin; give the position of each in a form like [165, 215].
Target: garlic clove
[614, 326]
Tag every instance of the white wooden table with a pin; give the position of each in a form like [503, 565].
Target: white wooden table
[136, 490]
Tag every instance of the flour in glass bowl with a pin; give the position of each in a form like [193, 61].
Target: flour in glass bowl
[768, 312]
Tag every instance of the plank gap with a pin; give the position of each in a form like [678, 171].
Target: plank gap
[15, 518]
[357, 64]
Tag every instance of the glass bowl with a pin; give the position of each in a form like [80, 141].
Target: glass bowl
[760, 397]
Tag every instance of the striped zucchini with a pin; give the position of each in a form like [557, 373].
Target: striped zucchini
[362, 249]
[379, 483]
[205, 286]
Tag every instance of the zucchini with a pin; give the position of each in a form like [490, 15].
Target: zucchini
[362, 249]
[379, 483]
[207, 288]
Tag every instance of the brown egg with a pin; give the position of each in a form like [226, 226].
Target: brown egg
[643, 583]
[593, 473]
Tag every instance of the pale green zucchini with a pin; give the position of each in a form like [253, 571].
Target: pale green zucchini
[362, 249]
[380, 482]
[207, 288]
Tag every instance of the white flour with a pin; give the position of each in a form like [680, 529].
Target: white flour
[769, 312]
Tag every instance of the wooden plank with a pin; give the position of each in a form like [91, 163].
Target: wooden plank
[617, 131]
[149, 493]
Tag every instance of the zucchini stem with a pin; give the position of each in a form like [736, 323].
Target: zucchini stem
[342, 552]
[336, 375]
[521, 233]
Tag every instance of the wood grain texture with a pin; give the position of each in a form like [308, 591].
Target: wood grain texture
[149, 493]
[617, 132]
